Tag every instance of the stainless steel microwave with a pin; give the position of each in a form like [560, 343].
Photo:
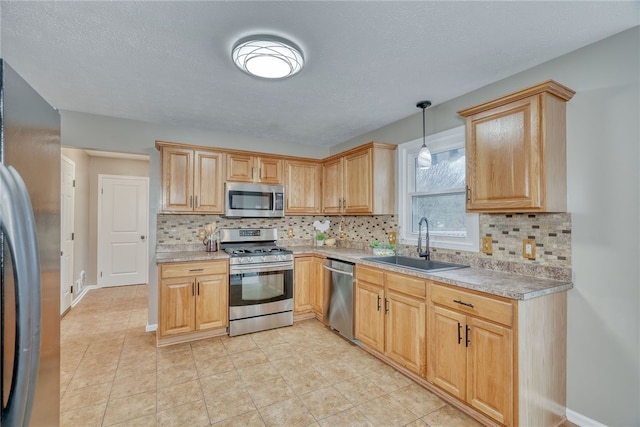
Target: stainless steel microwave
[253, 200]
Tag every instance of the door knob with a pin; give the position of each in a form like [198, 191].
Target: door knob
[142, 237]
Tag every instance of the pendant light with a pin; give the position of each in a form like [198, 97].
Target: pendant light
[424, 156]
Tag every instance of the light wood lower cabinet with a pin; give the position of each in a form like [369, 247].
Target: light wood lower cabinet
[390, 316]
[308, 288]
[472, 359]
[193, 301]
[502, 361]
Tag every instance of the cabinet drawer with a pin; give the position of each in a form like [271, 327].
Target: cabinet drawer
[371, 275]
[477, 305]
[184, 269]
[407, 285]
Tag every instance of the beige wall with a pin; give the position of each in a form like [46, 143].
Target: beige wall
[81, 248]
[86, 204]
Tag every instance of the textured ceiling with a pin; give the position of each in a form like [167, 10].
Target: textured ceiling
[367, 63]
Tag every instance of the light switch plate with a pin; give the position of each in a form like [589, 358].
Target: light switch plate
[392, 237]
[529, 248]
[487, 246]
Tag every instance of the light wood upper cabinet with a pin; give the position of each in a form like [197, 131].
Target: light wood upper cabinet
[516, 151]
[303, 187]
[390, 316]
[250, 168]
[192, 180]
[332, 176]
[351, 179]
[193, 300]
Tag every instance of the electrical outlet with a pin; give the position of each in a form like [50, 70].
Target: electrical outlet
[392, 237]
[529, 248]
[487, 245]
[290, 233]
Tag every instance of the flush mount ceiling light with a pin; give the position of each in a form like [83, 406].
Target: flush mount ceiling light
[424, 156]
[269, 57]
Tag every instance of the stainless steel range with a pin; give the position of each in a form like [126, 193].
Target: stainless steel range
[260, 280]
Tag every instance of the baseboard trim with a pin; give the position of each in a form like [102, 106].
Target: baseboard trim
[82, 294]
[151, 328]
[582, 420]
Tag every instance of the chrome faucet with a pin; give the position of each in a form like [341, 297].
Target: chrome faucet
[424, 253]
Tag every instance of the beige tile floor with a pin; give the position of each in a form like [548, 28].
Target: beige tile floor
[304, 375]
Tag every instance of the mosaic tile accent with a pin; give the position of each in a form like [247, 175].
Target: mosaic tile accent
[183, 229]
[551, 232]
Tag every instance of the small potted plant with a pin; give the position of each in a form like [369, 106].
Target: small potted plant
[383, 249]
[320, 239]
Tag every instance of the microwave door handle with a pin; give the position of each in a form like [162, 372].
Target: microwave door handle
[18, 226]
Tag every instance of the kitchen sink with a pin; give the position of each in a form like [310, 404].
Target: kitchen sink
[416, 263]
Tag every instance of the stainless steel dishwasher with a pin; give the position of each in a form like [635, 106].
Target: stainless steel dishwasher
[341, 305]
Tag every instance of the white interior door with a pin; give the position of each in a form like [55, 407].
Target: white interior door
[67, 203]
[123, 224]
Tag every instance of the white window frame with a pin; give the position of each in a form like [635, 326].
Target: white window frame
[407, 153]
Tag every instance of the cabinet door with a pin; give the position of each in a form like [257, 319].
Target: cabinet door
[503, 157]
[302, 284]
[317, 275]
[490, 369]
[177, 179]
[358, 184]
[303, 187]
[405, 331]
[446, 365]
[240, 168]
[332, 186]
[269, 170]
[369, 315]
[177, 306]
[208, 182]
[212, 302]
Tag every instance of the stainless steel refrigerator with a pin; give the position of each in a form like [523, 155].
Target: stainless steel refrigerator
[30, 254]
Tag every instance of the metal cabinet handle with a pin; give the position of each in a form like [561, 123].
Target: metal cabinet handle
[466, 336]
[386, 305]
[192, 289]
[191, 201]
[379, 302]
[195, 270]
[459, 333]
[468, 193]
[197, 206]
[463, 303]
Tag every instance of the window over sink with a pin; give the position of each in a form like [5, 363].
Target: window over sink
[437, 193]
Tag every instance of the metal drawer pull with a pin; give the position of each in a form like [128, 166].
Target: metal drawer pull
[463, 303]
[193, 270]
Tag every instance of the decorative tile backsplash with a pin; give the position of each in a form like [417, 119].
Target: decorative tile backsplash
[551, 232]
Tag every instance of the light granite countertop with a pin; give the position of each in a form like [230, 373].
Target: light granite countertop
[508, 285]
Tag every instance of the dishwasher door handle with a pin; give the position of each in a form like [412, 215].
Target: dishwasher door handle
[346, 273]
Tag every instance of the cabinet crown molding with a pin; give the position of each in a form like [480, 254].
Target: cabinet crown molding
[550, 86]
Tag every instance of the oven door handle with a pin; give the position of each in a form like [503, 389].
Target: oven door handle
[260, 268]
